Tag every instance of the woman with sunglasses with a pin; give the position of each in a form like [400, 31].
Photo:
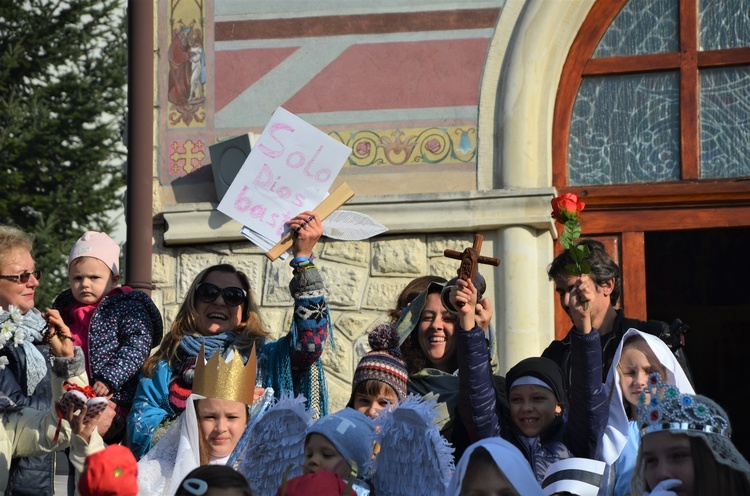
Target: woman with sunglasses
[24, 375]
[219, 313]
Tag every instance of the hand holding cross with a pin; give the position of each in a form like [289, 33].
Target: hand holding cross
[470, 258]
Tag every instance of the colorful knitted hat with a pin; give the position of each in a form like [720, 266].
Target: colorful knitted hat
[112, 471]
[384, 362]
[97, 245]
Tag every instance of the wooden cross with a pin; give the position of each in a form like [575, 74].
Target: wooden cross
[470, 258]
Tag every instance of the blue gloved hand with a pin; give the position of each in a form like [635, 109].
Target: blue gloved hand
[663, 488]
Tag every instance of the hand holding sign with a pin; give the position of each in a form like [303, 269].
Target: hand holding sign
[306, 229]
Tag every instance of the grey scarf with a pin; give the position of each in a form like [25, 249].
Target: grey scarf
[33, 325]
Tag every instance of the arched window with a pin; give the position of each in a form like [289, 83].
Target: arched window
[655, 92]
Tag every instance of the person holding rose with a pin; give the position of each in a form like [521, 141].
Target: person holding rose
[599, 283]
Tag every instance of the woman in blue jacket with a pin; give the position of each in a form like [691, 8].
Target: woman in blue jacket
[220, 314]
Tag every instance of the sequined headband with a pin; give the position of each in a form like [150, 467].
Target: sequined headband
[661, 407]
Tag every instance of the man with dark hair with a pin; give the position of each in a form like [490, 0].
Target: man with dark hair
[601, 289]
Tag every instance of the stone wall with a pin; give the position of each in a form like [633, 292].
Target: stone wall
[363, 280]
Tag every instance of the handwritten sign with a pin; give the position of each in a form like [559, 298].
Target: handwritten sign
[289, 170]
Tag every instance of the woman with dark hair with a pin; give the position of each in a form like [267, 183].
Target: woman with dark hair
[432, 346]
[686, 446]
[219, 313]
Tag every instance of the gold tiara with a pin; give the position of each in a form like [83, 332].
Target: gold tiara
[231, 380]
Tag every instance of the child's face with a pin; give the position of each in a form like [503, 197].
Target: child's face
[90, 280]
[668, 456]
[320, 454]
[435, 333]
[532, 408]
[487, 481]
[634, 370]
[372, 404]
[221, 424]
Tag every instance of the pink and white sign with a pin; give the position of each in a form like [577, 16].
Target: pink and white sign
[289, 170]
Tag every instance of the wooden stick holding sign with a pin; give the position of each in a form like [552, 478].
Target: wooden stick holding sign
[340, 195]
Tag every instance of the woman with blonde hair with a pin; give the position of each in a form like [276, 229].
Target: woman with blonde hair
[219, 313]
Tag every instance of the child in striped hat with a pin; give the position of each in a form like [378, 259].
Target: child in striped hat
[380, 379]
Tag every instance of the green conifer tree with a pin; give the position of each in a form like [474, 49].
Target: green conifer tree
[63, 76]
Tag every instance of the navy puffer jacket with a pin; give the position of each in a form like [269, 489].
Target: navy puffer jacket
[576, 432]
[124, 327]
[34, 475]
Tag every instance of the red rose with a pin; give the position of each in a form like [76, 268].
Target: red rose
[566, 207]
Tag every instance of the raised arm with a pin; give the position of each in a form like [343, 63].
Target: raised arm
[589, 411]
[477, 403]
[310, 326]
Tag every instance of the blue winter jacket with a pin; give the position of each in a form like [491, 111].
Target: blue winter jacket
[32, 475]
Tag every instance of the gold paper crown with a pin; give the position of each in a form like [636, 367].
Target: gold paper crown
[228, 381]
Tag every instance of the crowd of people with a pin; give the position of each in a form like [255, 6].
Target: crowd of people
[213, 406]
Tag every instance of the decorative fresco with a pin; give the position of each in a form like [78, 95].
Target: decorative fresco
[186, 156]
[186, 80]
[410, 146]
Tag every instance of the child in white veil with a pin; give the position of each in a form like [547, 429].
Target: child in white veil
[621, 438]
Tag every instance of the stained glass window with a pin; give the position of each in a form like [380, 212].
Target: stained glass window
[626, 126]
[723, 24]
[625, 129]
[725, 122]
[641, 27]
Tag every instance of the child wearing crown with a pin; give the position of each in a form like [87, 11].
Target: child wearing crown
[209, 430]
[637, 355]
[220, 313]
[686, 446]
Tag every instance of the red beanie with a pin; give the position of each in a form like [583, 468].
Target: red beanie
[110, 472]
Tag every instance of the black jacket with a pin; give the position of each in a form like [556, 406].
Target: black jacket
[29, 476]
[559, 350]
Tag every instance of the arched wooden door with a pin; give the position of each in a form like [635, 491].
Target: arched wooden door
[650, 129]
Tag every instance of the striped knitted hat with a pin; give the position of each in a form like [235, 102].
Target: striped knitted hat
[384, 362]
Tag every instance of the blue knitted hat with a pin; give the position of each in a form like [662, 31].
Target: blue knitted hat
[352, 433]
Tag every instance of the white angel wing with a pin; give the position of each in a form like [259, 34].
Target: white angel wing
[409, 437]
[155, 468]
[276, 442]
[351, 226]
